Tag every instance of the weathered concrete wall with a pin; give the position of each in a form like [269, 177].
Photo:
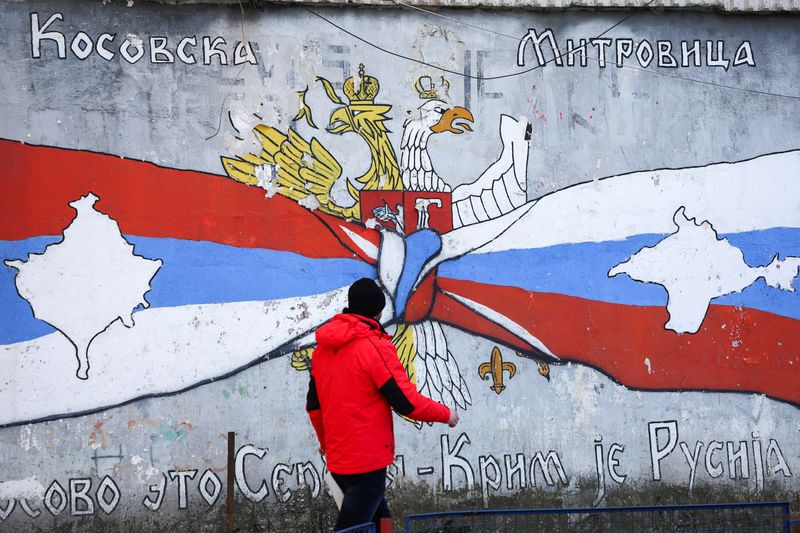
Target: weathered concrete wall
[716, 5]
[594, 260]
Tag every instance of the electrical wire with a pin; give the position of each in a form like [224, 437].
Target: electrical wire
[656, 72]
[521, 72]
[457, 21]
[443, 69]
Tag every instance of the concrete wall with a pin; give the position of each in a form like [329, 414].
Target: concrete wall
[595, 260]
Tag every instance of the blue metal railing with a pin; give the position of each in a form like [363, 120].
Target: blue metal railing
[369, 527]
[721, 518]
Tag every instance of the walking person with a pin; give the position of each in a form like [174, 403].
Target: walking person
[356, 381]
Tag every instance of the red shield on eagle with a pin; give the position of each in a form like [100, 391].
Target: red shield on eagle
[408, 211]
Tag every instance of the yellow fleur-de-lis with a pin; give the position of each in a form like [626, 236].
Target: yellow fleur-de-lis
[496, 367]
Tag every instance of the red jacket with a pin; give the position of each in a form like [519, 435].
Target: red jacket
[356, 380]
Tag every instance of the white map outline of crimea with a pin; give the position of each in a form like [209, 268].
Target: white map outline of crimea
[695, 266]
[88, 280]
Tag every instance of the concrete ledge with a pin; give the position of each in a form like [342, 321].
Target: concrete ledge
[729, 6]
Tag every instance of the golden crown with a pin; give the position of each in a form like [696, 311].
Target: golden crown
[426, 89]
[367, 90]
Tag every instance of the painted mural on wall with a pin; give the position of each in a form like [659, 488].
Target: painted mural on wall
[131, 279]
[688, 271]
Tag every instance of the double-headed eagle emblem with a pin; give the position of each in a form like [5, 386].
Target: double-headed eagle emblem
[399, 195]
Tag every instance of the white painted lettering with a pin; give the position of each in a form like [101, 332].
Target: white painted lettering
[55, 490]
[308, 469]
[493, 481]
[719, 60]
[744, 55]
[210, 50]
[644, 53]
[244, 54]
[131, 58]
[536, 40]
[241, 479]
[714, 470]
[210, 496]
[108, 504]
[79, 492]
[658, 453]
[624, 49]
[81, 45]
[665, 57]
[692, 459]
[159, 489]
[104, 52]
[516, 470]
[693, 53]
[572, 50]
[181, 475]
[779, 464]
[281, 493]
[613, 463]
[40, 33]
[159, 52]
[739, 456]
[452, 460]
[601, 45]
[544, 465]
[189, 59]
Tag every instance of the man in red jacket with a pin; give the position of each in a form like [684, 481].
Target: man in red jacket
[356, 381]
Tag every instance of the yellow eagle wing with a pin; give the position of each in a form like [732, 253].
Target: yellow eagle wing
[302, 169]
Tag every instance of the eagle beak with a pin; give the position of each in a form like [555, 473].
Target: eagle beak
[455, 120]
[339, 122]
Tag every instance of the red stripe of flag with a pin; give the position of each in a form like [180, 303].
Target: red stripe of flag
[736, 349]
[37, 184]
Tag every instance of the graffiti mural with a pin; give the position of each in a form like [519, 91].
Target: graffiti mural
[598, 270]
[652, 242]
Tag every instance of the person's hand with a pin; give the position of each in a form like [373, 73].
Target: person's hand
[453, 421]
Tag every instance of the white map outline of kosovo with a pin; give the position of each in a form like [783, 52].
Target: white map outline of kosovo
[87, 281]
[695, 266]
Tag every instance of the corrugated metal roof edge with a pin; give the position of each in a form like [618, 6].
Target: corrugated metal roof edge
[722, 6]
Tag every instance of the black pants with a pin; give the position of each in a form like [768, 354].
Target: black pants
[363, 499]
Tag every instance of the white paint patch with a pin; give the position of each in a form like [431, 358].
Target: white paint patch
[267, 176]
[135, 40]
[310, 202]
[649, 365]
[240, 122]
[87, 281]
[146, 473]
[28, 439]
[695, 267]
[21, 488]
[390, 267]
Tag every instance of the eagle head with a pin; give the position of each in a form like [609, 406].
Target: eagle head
[358, 118]
[438, 116]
